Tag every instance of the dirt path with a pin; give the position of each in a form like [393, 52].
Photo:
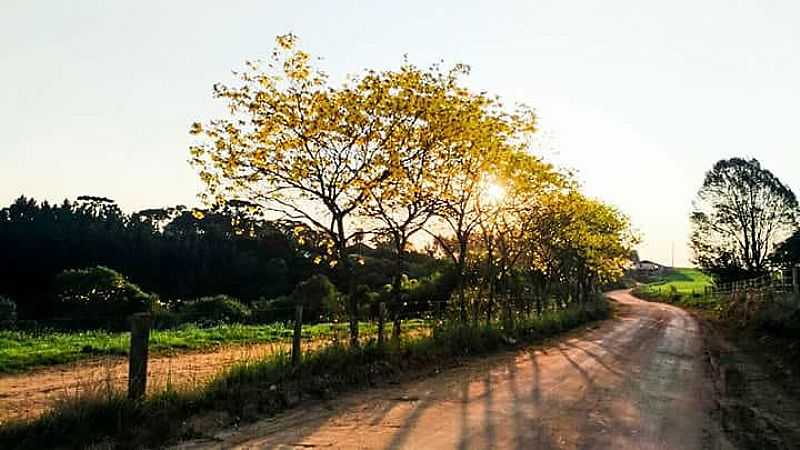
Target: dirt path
[29, 394]
[639, 381]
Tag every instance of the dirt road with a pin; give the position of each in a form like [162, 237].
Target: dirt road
[28, 395]
[638, 381]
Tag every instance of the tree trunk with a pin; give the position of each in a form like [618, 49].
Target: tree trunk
[476, 306]
[397, 286]
[509, 322]
[347, 280]
[462, 263]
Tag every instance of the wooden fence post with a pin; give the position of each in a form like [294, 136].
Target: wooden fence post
[381, 324]
[796, 280]
[508, 319]
[137, 356]
[298, 330]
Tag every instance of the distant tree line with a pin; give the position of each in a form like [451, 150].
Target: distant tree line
[175, 253]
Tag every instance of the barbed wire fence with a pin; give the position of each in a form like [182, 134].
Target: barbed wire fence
[148, 353]
[64, 359]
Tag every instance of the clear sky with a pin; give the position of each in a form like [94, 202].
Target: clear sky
[639, 97]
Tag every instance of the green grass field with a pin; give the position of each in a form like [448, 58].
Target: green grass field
[681, 285]
[20, 350]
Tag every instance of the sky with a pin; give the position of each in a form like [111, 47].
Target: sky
[639, 98]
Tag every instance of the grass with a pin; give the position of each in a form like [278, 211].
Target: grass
[683, 286]
[22, 350]
[264, 387]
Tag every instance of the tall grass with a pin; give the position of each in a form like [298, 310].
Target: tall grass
[264, 387]
[21, 350]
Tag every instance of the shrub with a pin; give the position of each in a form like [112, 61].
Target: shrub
[367, 300]
[318, 295]
[775, 314]
[435, 287]
[273, 310]
[164, 319]
[8, 311]
[100, 294]
[214, 310]
[674, 295]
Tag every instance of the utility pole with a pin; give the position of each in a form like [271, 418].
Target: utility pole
[673, 254]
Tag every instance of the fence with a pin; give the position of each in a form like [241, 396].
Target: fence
[44, 363]
[778, 281]
[41, 365]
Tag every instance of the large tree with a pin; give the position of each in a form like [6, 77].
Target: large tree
[298, 146]
[509, 205]
[487, 137]
[330, 155]
[741, 211]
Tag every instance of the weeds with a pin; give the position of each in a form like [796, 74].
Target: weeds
[20, 350]
[104, 417]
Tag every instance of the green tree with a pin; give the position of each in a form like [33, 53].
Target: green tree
[741, 212]
[318, 296]
[215, 309]
[102, 294]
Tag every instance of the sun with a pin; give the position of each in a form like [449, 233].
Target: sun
[494, 192]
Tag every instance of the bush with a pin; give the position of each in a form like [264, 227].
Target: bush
[368, 300]
[164, 319]
[276, 309]
[214, 310]
[774, 314]
[318, 296]
[8, 311]
[100, 294]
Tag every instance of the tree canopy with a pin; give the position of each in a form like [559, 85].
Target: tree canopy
[741, 212]
[399, 185]
[388, 154]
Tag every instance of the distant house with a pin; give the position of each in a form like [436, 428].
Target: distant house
[647, 266]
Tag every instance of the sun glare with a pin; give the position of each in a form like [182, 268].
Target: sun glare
[494, 192]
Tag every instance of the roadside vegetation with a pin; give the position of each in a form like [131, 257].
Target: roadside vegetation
[259, 388]
[22, 350]
[745, 235]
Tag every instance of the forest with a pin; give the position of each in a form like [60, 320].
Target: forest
[170, 253]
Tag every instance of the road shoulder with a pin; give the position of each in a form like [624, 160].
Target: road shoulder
[759, 407]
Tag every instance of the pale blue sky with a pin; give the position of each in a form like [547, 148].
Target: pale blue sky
[640, 98]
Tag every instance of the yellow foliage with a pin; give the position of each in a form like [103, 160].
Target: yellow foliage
[394, 150]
